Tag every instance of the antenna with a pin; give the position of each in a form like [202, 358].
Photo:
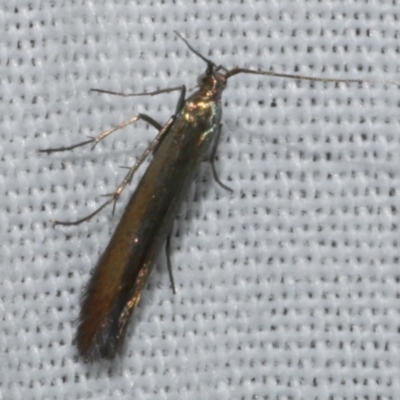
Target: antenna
[210, 64]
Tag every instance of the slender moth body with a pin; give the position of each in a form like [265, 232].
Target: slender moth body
[116, 285]
[118, 279]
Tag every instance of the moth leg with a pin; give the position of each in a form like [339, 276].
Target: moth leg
[212, 159]
[113, 197]
[156, 92]
[169, 264]
[151, 121]
[163, 130]
[108, 132]
[103, 135]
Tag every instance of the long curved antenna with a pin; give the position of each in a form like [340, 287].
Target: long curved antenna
[237, 70]
[209, 62]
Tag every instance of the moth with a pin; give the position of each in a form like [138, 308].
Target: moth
[121, 273]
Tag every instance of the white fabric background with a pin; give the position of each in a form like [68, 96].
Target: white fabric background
[288, 288]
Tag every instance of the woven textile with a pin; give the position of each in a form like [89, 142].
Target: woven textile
[286, 289]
